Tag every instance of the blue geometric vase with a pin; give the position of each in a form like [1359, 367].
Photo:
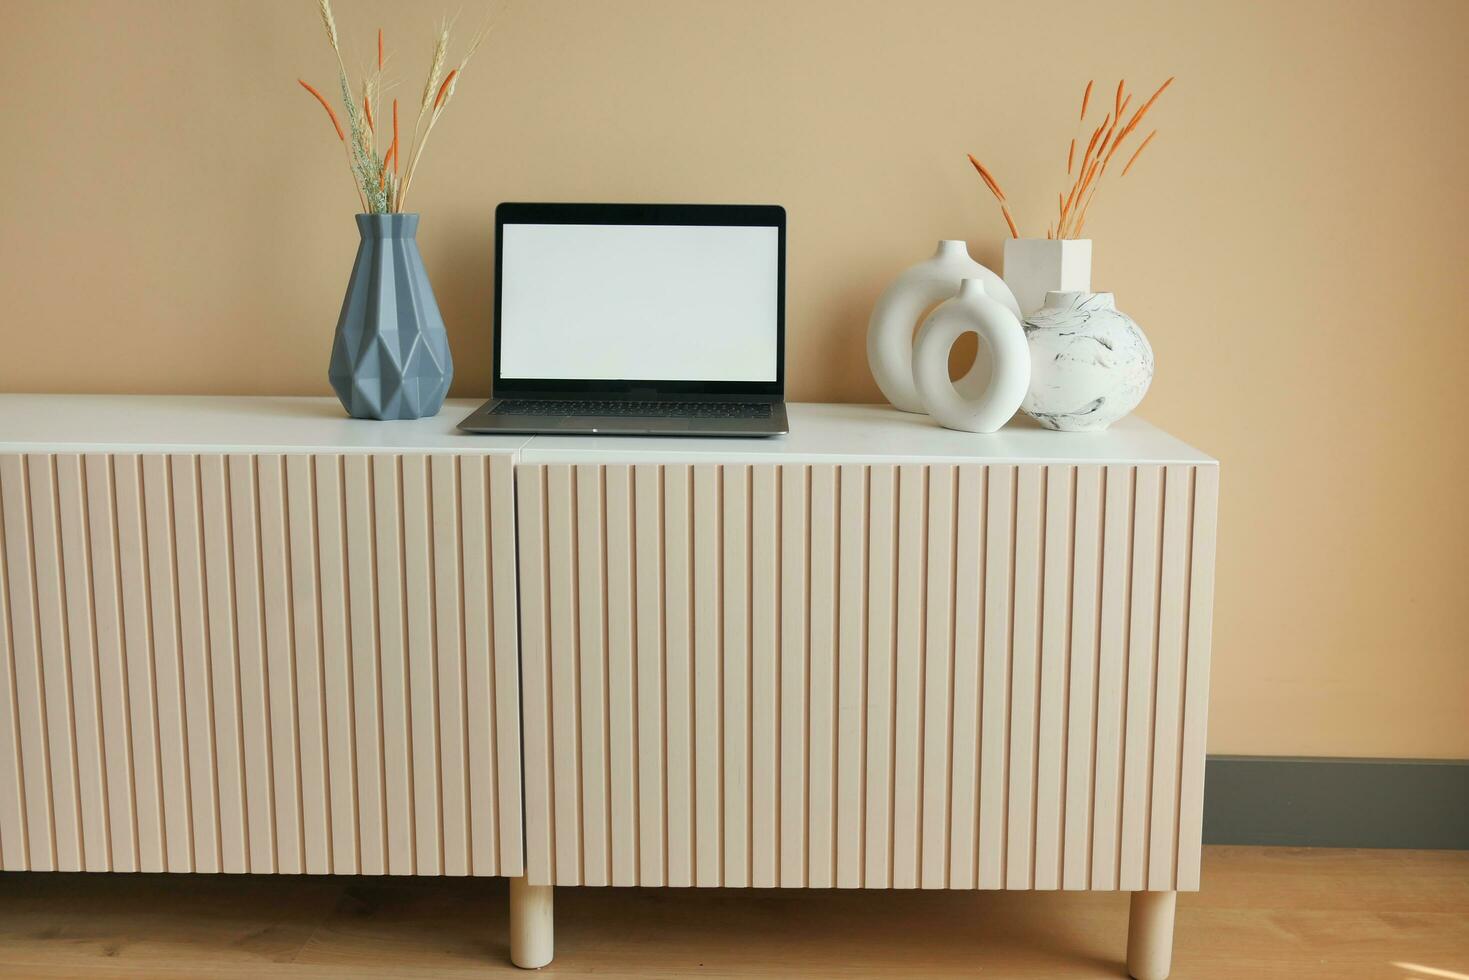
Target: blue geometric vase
[390, 357]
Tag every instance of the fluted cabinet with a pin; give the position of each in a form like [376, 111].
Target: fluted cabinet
[875, 654]
[262, 658]
[937, 676]
[250, 635]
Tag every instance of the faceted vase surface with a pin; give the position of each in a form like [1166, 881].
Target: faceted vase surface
[390, 357]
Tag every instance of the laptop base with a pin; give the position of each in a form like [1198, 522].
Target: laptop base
[486, 419]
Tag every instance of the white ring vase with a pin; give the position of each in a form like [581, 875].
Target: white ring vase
[974, 310]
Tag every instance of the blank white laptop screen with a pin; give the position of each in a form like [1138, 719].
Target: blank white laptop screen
[639, 302]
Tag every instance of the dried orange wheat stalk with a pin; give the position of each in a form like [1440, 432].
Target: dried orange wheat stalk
[382, 181]
[1106, 139]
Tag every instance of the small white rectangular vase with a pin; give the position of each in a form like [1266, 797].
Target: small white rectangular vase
[1035, 266]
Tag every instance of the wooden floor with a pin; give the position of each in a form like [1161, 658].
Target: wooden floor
[1264, 912]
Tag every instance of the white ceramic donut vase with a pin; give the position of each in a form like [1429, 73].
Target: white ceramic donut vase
[1000, 336]
[1091, 363]
[890, 329]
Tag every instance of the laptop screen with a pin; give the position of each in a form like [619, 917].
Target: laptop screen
[645, 302]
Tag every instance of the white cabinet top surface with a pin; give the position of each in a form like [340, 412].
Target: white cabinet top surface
[225, 423]
[829, 433]
[835, 433]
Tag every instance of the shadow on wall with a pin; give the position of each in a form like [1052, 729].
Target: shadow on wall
[461, 258]
[834, 367]
[839, 349]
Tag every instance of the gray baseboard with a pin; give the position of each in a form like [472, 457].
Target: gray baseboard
[1337, 802]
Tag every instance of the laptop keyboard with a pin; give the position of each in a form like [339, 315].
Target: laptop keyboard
[632, 409]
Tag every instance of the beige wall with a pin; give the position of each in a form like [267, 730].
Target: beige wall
[176, 218]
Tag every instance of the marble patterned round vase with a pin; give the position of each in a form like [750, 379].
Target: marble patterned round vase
[1090, 363]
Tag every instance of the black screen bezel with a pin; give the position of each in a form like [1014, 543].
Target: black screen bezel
[743, 215]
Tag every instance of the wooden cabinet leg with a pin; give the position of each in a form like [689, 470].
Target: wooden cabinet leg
[532, 936]
[1150, 935]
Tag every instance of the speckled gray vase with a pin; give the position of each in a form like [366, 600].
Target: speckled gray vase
[390, 357]
[1090, 363]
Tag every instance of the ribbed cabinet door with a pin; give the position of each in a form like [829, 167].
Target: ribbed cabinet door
[259, 663]
[936, 676]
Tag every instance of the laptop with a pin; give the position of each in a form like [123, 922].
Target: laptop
[649, 319]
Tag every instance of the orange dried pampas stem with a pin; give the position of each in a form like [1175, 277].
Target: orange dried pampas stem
[1077, 205]
[1154, 97]
[366, 117]
[1089, 183]
[994, 186]
[1066, 206]
[1138, 152]
[1086, 161]
[390, 157]
[1113, 132]
[1073, 204]
[1009, 220]
[444, 88]
[328, 107]
[1138, 116]
[341, 136]
[1107, 137]
[1092, 143]
[988, 178]
[1076, 210]
[1081, 218]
